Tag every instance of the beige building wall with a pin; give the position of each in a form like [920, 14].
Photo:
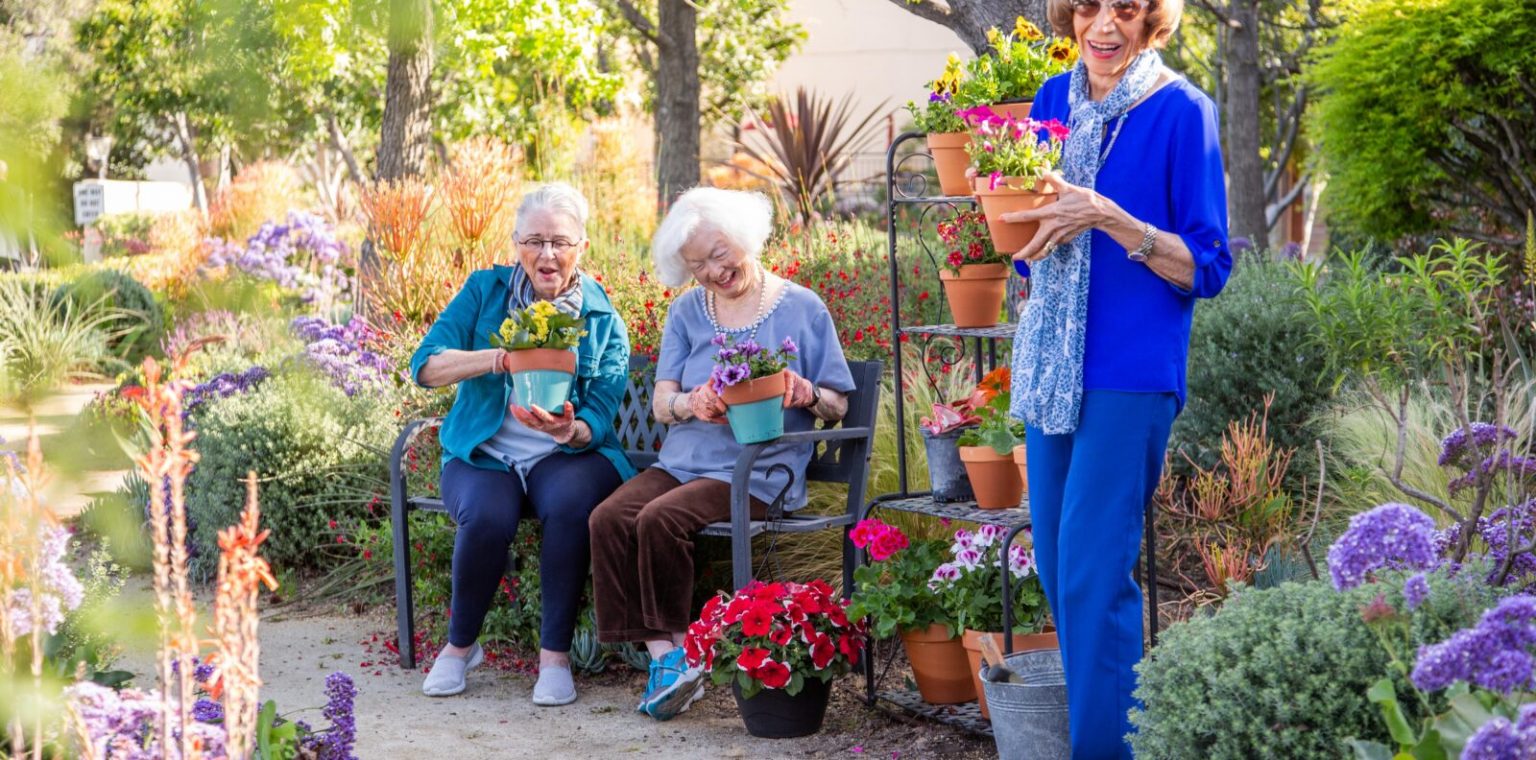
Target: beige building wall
[870, 48]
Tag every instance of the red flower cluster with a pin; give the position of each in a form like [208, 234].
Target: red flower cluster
[881, 539]
[965, 235]
[775, 635]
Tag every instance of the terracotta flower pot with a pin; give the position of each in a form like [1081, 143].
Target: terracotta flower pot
[939, 665]
[1020, 460]
[755, 408]
[540, 377]
[994, 477]
[950, 161]
[1018, 109]
[1011, 237]
[1022, 642]
[976, 294]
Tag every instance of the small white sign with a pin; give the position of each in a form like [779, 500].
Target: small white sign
[90, 197]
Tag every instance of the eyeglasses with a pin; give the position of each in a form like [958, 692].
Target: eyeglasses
[1122, 10]
[560, 246]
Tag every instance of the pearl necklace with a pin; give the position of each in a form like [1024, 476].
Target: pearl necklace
[714, 321]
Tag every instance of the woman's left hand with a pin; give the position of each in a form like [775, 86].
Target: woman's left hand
[798, 391]
[561, 428]
[1076, 209]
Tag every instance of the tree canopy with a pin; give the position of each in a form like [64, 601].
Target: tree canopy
[1427, 121]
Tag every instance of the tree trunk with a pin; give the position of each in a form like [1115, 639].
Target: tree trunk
[184, 140]
[677, 99]
[970, 19]
[1245, 168]
[405, 140]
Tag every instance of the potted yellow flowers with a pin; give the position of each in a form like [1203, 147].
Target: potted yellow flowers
[947, 134]
[540, 362]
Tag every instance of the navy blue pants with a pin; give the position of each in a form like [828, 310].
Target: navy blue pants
[1087, 494]
[487, 505]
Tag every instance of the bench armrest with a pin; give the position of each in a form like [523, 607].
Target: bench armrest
[741, 505]
[397, 494]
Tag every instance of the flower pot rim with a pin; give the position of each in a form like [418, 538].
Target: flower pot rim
[996, 270]
[983, 187]
[549, 359]
[927, 633]
[756, 389]
[955, 433]
[961, 138]
[990, 455]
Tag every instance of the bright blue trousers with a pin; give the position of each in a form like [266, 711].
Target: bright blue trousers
[1087, 493]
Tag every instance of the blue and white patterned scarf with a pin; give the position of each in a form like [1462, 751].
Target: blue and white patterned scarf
[1048, 346]
[522, 294]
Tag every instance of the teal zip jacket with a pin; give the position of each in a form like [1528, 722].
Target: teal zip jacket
[602, 369]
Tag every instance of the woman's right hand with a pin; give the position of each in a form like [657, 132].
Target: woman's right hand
[706, 405]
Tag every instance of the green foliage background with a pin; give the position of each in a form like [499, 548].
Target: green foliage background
[1396, 79]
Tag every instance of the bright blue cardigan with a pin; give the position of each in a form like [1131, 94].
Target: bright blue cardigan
[602, 370]
[1165, 168]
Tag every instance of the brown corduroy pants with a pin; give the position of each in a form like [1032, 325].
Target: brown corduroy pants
[642, 553]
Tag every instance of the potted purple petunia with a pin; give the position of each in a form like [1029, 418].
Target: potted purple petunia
[752, 380]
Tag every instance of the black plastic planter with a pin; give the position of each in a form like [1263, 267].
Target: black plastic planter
[773, 714]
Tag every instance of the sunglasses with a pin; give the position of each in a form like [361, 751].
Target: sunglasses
[1122, 10]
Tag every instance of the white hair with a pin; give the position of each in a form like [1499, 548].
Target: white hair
[745, 218]
[555, 197]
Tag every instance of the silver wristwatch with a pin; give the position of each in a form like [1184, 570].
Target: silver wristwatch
[1148, 239]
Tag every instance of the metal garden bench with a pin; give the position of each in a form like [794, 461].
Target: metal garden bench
[842, 456]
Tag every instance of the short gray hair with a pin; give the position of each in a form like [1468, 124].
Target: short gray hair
[554, 196]
[745, 218]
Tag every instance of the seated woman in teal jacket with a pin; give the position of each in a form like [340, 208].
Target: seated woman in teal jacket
[502, 462]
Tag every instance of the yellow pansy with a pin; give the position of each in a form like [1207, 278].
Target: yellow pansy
[1024, 30]
[1062, 50]
[993, 36]
[949, 81]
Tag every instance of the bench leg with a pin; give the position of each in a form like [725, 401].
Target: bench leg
[405, 609]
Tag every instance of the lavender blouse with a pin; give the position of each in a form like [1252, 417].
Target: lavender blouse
[696, 449]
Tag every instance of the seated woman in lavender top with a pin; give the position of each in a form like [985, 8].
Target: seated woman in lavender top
[642, 535]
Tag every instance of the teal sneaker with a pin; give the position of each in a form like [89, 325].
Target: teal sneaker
[673, 686]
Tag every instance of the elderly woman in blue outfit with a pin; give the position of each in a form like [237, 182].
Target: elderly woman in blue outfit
[502, 462]
[642, 535]
[1099, 358]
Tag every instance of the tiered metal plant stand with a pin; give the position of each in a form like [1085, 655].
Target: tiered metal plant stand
[907, 188]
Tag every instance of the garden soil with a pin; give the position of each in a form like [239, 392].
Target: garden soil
[495, 718]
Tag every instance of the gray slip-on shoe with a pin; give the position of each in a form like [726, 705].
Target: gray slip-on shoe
[554, 687]
[447, 676]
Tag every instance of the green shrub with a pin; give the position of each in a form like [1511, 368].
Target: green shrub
[43, 345]
[317, 454]
[1250, 341]
[137, 319]
[1283, 672]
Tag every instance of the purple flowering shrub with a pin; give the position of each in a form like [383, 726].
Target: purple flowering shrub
[1401, 537]
[124, 725]
[738, 362]
[1479, 675]
[345, 353]
[304, 254]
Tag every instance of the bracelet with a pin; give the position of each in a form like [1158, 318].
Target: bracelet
[496, 360]
[672, 406]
